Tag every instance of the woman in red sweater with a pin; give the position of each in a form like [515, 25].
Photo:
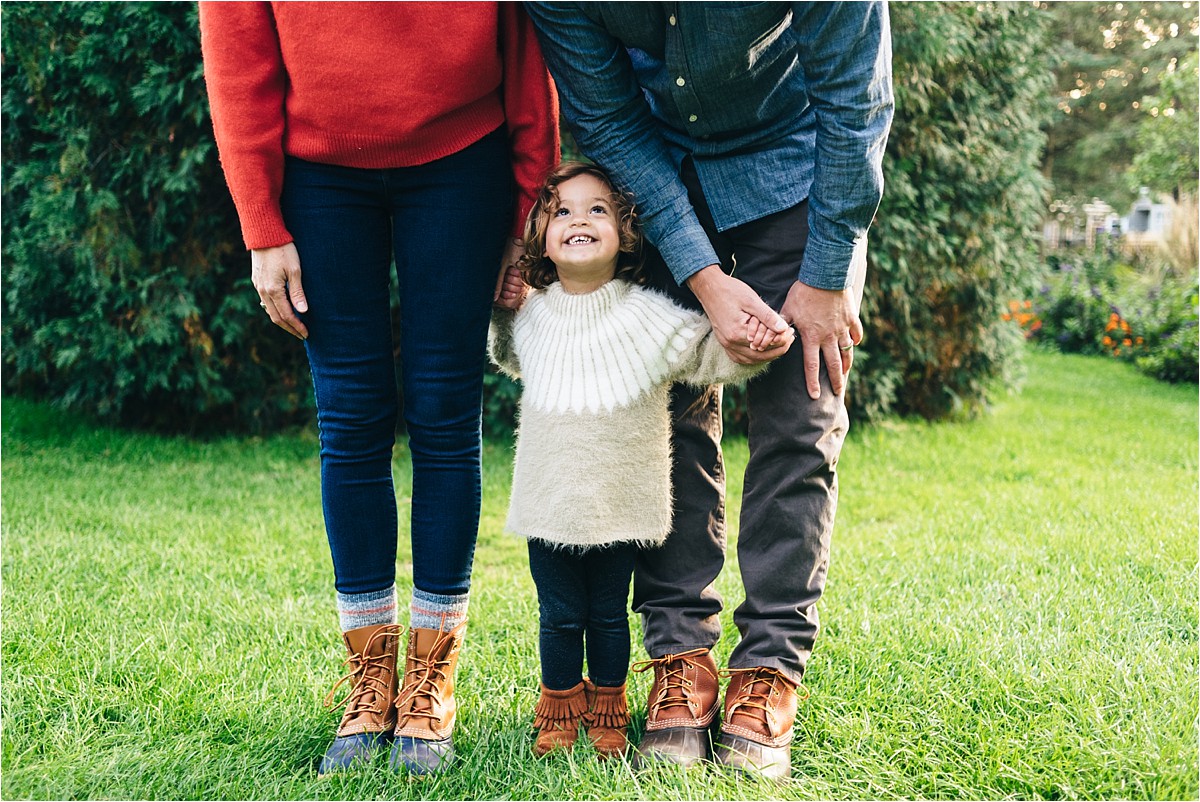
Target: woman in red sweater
[352, 134]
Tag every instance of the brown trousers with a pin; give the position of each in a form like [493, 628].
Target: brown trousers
[789, 492]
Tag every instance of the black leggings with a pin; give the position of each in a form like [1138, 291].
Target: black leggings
[583, 591]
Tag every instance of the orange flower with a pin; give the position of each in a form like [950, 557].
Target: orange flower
[1116, 352]
[1028, 304]
[1127, 342]
[1112, 324]
[1107, 340]
[1140, 341]
[1125, 325]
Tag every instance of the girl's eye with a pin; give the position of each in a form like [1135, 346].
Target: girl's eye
[560, 212]
[599, 209]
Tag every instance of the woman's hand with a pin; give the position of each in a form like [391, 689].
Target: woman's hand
[276, 276]
[510, 285]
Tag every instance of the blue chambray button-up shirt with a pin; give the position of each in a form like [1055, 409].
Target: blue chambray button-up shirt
[775, 102]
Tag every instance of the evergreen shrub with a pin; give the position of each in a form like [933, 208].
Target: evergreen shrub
[956, 234]
[126, 291]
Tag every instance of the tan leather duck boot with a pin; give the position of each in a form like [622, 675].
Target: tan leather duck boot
[681, 710]
[370, 715]
[607, 719]
[760, 709]
[556, 718]
[425, 705]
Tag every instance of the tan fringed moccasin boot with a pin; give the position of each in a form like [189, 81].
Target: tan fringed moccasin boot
[607, 719]
[556, 718]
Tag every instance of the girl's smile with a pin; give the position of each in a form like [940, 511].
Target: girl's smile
[582, 239]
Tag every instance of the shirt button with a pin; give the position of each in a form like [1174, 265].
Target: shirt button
[679, 81]
[693, 118]
[671, 19]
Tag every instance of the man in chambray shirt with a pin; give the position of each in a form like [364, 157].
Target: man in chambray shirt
[752, 136]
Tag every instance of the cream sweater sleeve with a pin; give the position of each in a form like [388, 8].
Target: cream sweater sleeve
[707, 362]
[500, 343]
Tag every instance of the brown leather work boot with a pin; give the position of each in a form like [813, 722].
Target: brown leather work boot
[425, 705]
[607, 719]
[370, 716]
[556, 718]
[760, 709]
[681, 710]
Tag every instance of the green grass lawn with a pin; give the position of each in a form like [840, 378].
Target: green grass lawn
[1011, 612]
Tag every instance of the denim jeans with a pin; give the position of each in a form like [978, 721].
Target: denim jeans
[583, 598]
[444, 224]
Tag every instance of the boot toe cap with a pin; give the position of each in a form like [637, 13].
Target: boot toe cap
[349, 749]
[760, 760]
[680, 746]
[420, 756]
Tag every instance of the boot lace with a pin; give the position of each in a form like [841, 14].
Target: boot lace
[755, 694]
[368, 677]
[674, 687]
[421, 693]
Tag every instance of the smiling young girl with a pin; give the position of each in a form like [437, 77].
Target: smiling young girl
[597, 355]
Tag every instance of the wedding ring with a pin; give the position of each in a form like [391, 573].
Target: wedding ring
[263, 305]
[846, 347]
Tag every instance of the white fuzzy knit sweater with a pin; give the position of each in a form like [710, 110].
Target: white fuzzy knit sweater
[593, 463]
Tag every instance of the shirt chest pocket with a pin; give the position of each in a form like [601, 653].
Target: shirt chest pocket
[749, 36]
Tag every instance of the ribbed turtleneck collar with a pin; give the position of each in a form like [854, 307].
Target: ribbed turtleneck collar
[600, 300]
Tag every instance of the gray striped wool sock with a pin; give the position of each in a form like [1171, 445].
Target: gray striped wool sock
[435, 611]
[367, 609]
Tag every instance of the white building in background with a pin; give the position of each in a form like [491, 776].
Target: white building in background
[1066, 228]
[1146, 224]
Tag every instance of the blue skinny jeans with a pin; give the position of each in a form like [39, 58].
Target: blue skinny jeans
[444, 225]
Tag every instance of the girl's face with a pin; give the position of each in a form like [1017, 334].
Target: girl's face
[582, 238]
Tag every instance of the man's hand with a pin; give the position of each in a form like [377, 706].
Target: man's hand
[828, 325]
[732, 307]
[275, 273]
[510, 284]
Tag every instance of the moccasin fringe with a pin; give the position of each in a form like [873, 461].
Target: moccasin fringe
[560, 708]
[609, 707]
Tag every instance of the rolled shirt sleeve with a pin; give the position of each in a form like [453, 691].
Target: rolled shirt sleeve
[848, 58]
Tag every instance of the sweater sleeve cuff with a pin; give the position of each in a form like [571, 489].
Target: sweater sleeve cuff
[262, 226]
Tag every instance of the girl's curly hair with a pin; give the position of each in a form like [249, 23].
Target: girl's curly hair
[537, 269]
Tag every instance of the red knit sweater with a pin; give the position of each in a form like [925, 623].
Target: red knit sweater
[372, 85]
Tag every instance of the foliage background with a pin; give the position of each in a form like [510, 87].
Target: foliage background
[125, 288]
[1107, 59]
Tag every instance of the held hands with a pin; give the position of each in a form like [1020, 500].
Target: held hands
[510, 284]
[748, 329]
[275, 273]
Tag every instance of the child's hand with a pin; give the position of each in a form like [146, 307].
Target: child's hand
[762, 338]
[510, 288]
